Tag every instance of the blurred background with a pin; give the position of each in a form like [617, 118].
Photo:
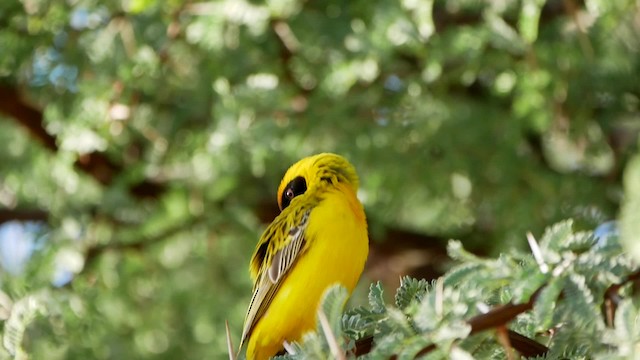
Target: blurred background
[142, 142]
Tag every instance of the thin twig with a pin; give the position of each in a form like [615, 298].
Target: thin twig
[336, 351]
[232, 355]
[503, 338]
[288, 348]
[439, 296]
[537, 253]
[612, 298]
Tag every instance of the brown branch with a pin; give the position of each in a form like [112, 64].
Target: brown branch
[7, 215]
[525, 346]
[12, 105]
[502, 333]
[612, 298]
[497, 317]
[500, 316]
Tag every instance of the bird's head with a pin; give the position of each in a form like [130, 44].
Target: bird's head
[314, 173]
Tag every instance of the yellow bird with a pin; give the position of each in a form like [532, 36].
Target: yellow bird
[318, 240]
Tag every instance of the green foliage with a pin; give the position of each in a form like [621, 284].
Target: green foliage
[434, 319]
[141, 143]
[630, 226]
[625, 335]
[333, 305]
[543, 309]
[376, 300]
[23, 313]
[410, 289]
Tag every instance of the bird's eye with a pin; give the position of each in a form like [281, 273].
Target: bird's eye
[295, 187]
[289, 194]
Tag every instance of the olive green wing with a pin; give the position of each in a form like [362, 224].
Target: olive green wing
[273, 268]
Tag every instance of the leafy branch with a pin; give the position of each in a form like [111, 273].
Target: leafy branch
[533, 309]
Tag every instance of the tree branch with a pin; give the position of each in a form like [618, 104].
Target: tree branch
[612, 298]
[14, 106]
[23, 215]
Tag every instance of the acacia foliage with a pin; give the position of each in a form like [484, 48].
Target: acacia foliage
[577, 276]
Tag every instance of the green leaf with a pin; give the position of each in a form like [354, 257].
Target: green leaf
[630, 214]
[453, 330]
[410, 290]
[503, 34]
[396, 321]
[546, 303]
[627, 323]
[529, 18]
[376, 300]
[426, 318]
[411, 346]
[459, 354]
[360, 321]
[523, 288]
[456, 251]
[23, 312]
[462, 272]
[580, 242]
[579, 295]
[333, 302]
[386, 346]
[138, 6]
[556, 236]
[355, 326]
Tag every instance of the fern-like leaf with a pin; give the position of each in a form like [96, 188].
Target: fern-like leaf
[546, 303]
[557, 236]
[456, 251]
[22, 314]
[332, 306]
[376, 299]
[461, 273]
[410, 290]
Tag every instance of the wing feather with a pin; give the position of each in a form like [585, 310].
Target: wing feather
[273, 269]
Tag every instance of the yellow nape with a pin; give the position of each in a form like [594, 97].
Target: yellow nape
[334, 252]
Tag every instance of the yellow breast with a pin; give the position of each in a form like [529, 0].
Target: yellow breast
[337, 253]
